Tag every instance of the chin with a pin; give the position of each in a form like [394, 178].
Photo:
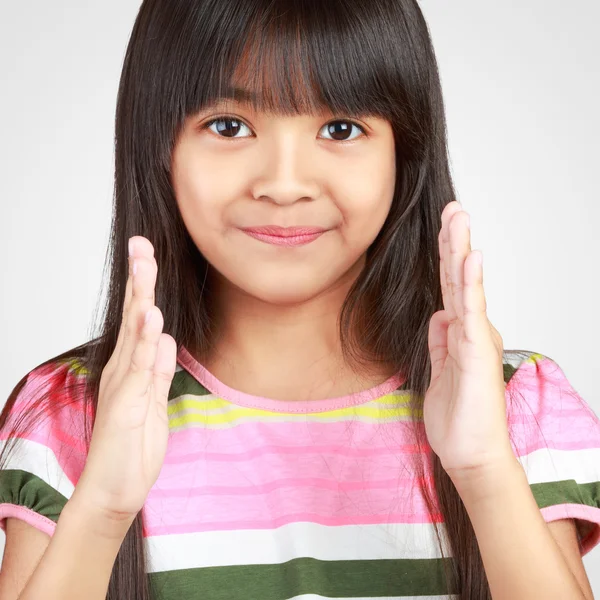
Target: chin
[283, 288]
[282, 295]
[284, 285]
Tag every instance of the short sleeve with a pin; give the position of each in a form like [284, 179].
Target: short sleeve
[42, 447]
[555, 434]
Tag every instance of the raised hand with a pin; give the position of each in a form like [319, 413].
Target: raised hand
[464, 408]
[130, 434]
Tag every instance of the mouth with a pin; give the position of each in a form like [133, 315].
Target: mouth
[285, 236]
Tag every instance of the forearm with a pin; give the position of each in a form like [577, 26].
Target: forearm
[520, 557]
[79, 559]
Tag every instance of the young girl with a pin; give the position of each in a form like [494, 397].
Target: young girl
[296, 392]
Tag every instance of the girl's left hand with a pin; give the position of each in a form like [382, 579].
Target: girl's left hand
[464, 407]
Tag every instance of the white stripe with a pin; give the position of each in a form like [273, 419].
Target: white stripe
[39, 460]
[548, 464]
[272, 546]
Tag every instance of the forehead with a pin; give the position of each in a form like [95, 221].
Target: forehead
[240, 97]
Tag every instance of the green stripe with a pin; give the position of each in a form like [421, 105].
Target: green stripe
[25, 489]
[566, 492]
[509, 371]
[334, 579]
[184, 383]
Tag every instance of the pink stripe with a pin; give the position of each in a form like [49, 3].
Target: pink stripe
[266, 467]
[260, 451]
[308, 482]
[25, 514]
[388, 518]
[72, 404]
[214, 385]
[528, 446]
[54, 438]
[352, 438]
[577, 511]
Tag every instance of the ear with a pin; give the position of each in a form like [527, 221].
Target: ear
[565, 535]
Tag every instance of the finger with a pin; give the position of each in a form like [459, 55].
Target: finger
[444, 284]
[459, 246]
[115, 356]
[437, 340]
[125, 311]
[143, 283]
[164, 371]
[475, 323]
[145, 247]
[140, 371]
[449, 210]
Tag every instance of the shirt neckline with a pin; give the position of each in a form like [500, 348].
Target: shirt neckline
[218, 388]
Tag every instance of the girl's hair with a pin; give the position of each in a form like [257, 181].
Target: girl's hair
[353, 58]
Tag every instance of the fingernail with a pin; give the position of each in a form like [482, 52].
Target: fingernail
[131, 247]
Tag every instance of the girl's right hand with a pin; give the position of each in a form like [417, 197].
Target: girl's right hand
[129, 438]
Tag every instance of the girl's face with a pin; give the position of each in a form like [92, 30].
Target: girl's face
[250, 169]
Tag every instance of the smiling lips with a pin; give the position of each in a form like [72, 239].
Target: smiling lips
[285, 236]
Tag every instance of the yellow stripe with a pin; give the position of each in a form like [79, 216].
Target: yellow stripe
[74, 365]
[215, 402]
[235, 415]
[535, 357]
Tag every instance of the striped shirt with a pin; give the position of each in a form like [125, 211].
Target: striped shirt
[269, 500]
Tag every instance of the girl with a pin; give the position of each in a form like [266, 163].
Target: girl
[296, 392]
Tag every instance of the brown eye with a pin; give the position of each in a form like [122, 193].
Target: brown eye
[227, 127]
[339, 130]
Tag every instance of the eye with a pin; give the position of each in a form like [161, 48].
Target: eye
[340, 129]
[229, 130]
[230, 126]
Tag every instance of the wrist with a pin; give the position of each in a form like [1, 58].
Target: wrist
[97, 521]
[485, 481]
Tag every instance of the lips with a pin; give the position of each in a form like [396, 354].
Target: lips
[285, 236]
[275, 230]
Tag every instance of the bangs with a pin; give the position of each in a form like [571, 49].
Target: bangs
[296, 57]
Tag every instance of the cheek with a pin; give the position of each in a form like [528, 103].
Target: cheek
[366, 205]
[202, 196]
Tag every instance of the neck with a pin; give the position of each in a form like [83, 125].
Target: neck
[284, 352]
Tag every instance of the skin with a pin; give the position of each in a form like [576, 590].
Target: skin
[277, 331]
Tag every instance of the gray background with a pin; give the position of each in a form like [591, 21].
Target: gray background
[521, 83]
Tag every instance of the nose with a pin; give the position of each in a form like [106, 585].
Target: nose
[288, 173]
